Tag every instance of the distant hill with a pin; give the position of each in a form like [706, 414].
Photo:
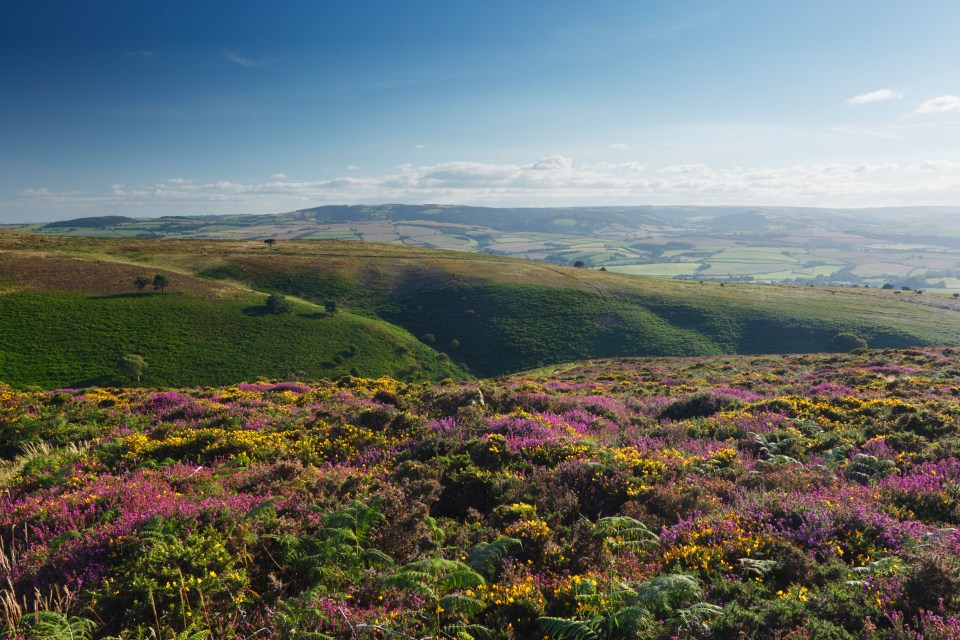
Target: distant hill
[99, 222]
[917, 247]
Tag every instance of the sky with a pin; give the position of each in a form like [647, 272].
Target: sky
[167, 107]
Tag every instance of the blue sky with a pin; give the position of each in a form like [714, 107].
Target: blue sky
[154, 108]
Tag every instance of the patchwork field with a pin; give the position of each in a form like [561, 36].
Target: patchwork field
[767, 244]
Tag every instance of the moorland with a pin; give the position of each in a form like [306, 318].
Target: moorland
[204, 438]
[805, 496]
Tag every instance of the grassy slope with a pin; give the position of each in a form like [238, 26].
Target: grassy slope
[66, 322]
[508, 315]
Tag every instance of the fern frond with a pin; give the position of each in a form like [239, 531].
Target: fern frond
[376, 558]
[460, 603]
[623, 532]
[462, 631]
[669, 591]
[485, 557]
[757, 566]
[567, 629]
[50, 625]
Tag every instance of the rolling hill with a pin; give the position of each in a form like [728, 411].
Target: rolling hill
[69, 311]
[917, 247]
[67, 318]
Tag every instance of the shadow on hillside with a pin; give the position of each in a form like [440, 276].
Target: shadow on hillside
[98, 381]
[121, 296]
[318, 315]
[256, 311]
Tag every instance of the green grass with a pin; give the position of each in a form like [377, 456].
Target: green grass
[670, 269]
[70, 339]
[502, 328]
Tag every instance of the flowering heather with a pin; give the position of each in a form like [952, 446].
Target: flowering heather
[810, 496]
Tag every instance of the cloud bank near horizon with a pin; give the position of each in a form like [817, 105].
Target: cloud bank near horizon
[550, 181]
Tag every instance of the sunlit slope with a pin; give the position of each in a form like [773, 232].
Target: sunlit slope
[67, 322]
[496, 315]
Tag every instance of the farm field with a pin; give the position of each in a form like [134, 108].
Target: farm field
[757, 497]
[865, 247]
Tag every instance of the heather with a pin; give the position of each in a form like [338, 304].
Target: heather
[810, 496]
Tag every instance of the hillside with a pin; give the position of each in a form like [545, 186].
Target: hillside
[66, 320]
[489, 314]
[809, 496]
[918, 247]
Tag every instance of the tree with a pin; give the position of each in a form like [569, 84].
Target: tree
[131, 366]
[847, 341]
[270, 242]
[330, 306]
[277, 304]
[887, 286]
[579, 264]
[141, 283]
[160, 282]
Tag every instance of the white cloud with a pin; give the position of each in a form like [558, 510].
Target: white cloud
[419, 146]
[617, 145]
[940, 104]
[353, 167]
[939, 165]
[551, 181]
[279, 176]
[874, 96]
[686, 168]
[234, 56]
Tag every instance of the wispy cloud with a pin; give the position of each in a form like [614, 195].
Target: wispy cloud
[279, 176]
[419, 146]
[234, 56]
[874, 96]
[143, 53]
[34, 192]
[940, 104]
[618, 145]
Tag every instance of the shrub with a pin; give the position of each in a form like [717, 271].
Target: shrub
[847, 341]
[277, 304]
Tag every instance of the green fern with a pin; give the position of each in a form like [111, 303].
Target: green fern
[624, 533]
[50, 625]
[567, 629]
[669, 592]
[336, 556]
[485, 557]
[631, 611]
[462, 631]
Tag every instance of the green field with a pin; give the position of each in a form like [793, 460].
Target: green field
[70, 339]
[670, 269]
